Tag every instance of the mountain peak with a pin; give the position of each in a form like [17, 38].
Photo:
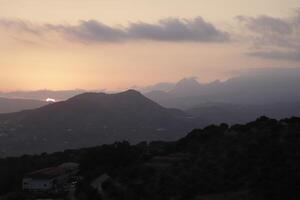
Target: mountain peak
[130, 92]
[91, 101]
[188, 82]
[186, 86]
[87, 96]
[94, 95]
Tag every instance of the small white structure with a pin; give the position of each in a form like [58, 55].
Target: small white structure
[49, 179]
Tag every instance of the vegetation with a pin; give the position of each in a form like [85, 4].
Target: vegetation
[259, 160]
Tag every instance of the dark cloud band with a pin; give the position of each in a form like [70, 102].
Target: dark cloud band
[166, 30]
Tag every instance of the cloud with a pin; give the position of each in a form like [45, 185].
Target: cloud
[19, 25]
[174, 29]
[273, 38]
[92, 31]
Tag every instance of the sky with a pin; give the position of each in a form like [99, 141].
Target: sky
[110, 44]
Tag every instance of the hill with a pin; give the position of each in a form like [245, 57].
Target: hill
[90, 119]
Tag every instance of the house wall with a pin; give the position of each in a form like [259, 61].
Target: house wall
[37, 184]
[45, 184]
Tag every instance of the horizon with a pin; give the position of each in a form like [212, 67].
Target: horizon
[142, 88]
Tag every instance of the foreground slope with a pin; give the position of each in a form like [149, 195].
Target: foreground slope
[90, 119]
[255, 161]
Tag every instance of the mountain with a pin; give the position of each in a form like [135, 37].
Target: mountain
[263, 86]
[90, 119]
[186, 93]
[186, 87]
[14, 105]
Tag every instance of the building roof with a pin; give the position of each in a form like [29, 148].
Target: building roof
[47, 173]
[52, 172]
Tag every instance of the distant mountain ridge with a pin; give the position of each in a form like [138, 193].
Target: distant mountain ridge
[59, 95]
[90, 119]
[216, 113]
[8, 105]
[254, 88]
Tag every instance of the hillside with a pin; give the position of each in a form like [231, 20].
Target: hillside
[255, 161]
[90, 119]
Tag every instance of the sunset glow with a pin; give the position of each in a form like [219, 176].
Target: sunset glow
[50, 100]
[113, 45]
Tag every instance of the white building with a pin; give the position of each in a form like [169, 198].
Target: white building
[49, 179]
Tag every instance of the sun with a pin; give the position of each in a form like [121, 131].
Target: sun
[50, 100]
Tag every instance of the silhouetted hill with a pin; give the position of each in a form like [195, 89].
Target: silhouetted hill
[8, 105]
[90, 119]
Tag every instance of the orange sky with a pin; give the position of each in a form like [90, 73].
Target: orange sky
[30, 62]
